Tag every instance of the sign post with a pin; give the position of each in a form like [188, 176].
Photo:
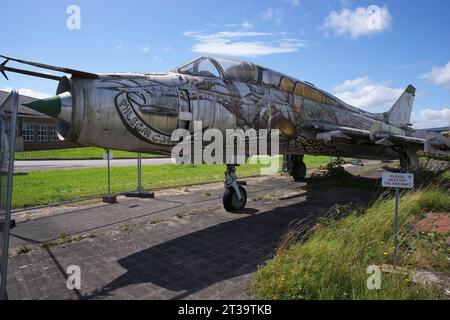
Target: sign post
[396, 223]
[397, 181]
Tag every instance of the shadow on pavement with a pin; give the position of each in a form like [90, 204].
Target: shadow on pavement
[197, 260]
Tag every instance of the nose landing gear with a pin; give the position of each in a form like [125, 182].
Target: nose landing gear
[235, 196]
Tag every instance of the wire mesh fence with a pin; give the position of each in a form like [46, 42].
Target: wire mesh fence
[60, 175]
[57, 176]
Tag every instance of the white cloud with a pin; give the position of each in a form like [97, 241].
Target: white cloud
[267, 14]
[346, 3]
[274, 15]
[363, 93]
[439, 75]
[357, 23]
[145, 48]
[352, 84]
[294, 3]
[243, 43]
[199, 35]
[119, 46]
[244, 25]
[167, 48]
[431, 118]
[157, 60]
[29, 93]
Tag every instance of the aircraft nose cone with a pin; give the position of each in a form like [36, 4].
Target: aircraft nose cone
[57, 107]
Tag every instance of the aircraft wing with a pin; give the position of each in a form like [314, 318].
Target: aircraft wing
[405, 140]
[73, 72]
[378, 134]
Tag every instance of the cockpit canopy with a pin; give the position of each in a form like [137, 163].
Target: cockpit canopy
[250, 73]
[202, 67]
[239, 70]
[221, 68]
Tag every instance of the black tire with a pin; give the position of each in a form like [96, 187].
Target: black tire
[299, 171]
[231, 202]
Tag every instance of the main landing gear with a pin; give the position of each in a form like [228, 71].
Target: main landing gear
[235, 196]
[408, 160]
[295, 166]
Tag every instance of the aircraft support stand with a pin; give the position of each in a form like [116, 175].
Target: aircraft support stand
[235, 196]
[111, 199]
[140, 191]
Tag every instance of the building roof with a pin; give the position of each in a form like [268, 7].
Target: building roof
[24, 111]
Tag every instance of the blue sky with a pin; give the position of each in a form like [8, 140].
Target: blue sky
[326, 42]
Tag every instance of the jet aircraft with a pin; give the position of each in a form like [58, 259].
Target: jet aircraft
[139, 111]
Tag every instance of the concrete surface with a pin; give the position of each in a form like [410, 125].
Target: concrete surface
[180, 245]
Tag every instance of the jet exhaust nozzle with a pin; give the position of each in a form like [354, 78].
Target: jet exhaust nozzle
[58, 107]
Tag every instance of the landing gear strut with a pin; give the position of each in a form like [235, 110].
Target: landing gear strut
[408, 160]
[296, 167]
[235, 196]
[404, 162]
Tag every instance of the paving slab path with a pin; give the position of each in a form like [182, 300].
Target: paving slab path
[180, 245]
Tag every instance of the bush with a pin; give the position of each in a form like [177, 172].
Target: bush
[336, 170]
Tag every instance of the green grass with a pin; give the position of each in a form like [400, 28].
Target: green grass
[76, 153]
[446, 176]
[316, 161]
[331, 262]
[46, 187]
[23, 249]
[63, 239]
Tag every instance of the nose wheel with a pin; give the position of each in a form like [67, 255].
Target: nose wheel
[235, 196]
[231, 201]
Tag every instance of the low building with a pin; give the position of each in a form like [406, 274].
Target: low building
[421, 133]
[35, 131]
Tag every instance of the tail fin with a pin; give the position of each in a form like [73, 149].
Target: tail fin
[400, 113]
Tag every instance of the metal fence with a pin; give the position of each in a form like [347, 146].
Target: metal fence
[8, 119]
[54, 177]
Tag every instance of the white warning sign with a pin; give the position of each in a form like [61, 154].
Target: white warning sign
[397, 180]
